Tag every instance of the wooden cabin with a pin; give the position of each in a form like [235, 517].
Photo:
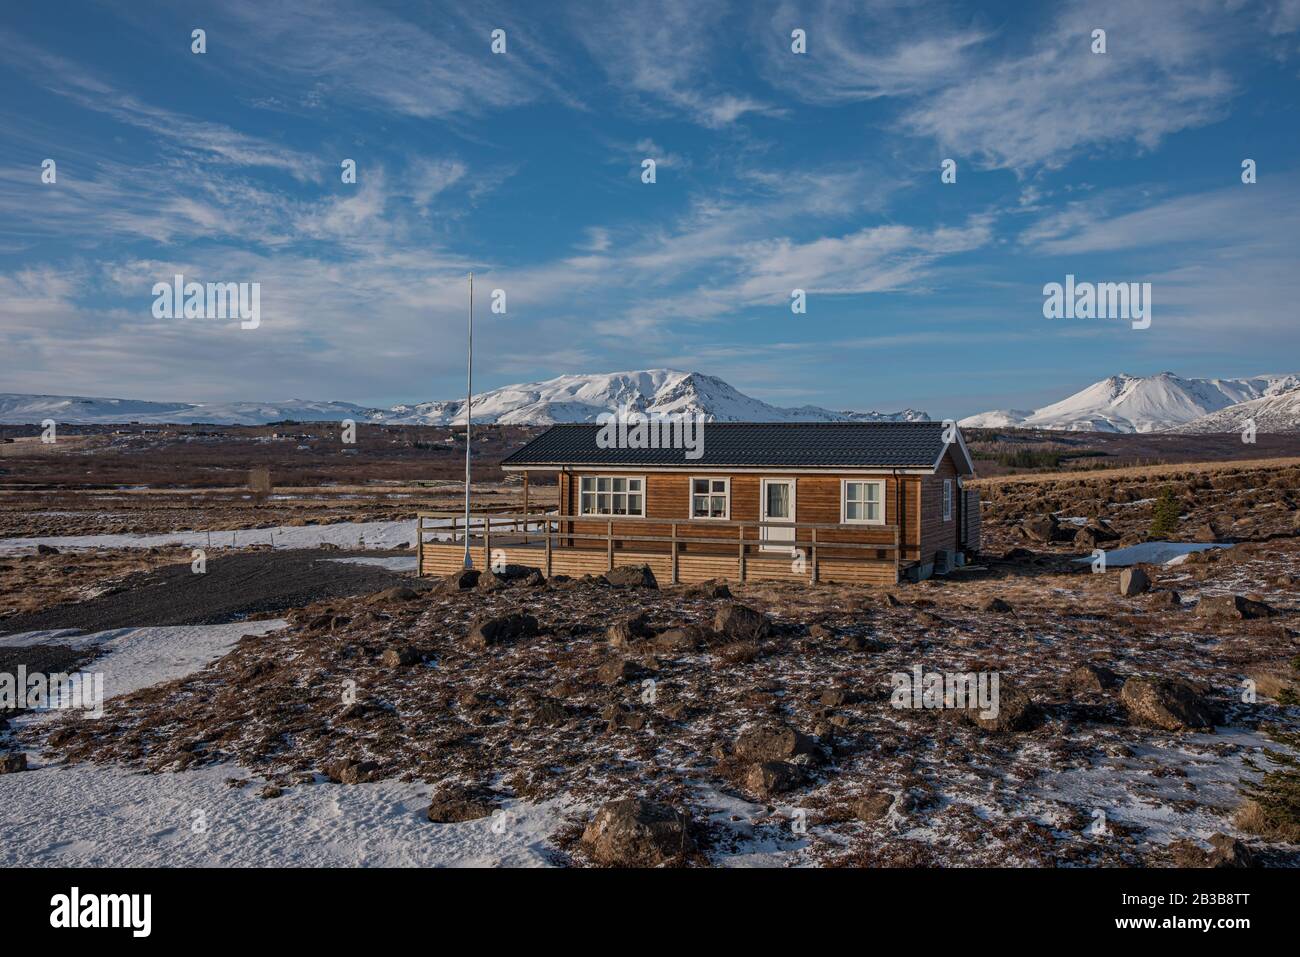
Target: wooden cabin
[856, 502]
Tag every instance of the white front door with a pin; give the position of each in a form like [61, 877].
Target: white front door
[777, 506]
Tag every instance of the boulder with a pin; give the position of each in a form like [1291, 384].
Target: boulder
[461, 580]
[634, 832]
[389, 595]
[458, 805]
[1166, 598]
[1168, 704]
[773, 742]
[1089, 678]
[1040, 528]
[503, 629]
[708, 589]
[741, 623]
[1231, 607]
[631, 576]
[629, 630]
[46, 550]
[399, 656]
[769, 778]
[1015, 709]
[13, 762]
[996, 606]
[351, 771]
[873, 806]
[1133, 581]
[617, 671]
[686, 638]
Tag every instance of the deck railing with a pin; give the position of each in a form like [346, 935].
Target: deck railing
[544, 529]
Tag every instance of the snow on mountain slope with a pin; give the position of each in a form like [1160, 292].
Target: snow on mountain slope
[1126, 403]
[1271, 413]
[568, 398]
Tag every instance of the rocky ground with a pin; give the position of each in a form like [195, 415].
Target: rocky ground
[1146, 716]
[764, 719]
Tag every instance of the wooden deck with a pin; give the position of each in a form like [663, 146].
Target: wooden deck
[680, 557]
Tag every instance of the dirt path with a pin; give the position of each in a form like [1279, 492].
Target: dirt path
[235, 586]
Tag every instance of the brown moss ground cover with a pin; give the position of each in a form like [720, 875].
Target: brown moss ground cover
[562, 712]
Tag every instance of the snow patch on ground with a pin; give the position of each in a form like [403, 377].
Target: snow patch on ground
[343, 534]
[107, 816]
[135, 658]
[88, 815]
[1154, 553]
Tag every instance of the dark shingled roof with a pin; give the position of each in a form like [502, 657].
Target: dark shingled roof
[760, 444]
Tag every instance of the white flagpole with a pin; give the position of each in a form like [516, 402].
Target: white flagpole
[469, 399]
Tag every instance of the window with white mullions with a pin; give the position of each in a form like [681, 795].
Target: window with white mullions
[862, 503]
[947, 500]
[710, 498]
[611, 495]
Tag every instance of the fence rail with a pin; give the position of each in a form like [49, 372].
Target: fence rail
[543, 529]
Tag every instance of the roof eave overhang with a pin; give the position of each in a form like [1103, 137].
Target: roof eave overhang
[701, 468]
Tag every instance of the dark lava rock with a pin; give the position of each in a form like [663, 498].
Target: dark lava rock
[486, 632]
[631, 576]
[618, 670]
[708, 589]
[768, 778]
[1167, 598]
[396, 593]
[1091, 679]
[350, 771]
[773, 742]
[1016, 711]
[686, 638]
[1168, 704]
[1231, 607]
[996, 605]
[634, 832]
[873, 806]
[399, 656]
[46, 550]
[461, 580]
[741, 623]
[13, 762]
[1133, 581]
[629, 630]
[457, 806]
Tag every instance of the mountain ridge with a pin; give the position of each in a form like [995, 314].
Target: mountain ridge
[567, 398]
[1162, 402]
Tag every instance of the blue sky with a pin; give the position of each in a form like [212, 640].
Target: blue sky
[775, 171]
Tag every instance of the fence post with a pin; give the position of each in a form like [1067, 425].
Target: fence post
[419, 546]
[547, 524]
[816, 577]
[674, 550]
[609, 543]
[741, 558]
[487, 542]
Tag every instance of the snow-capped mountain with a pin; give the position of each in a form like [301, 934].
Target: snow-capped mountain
[1126, 403]
[569, 398]
[1271, 414]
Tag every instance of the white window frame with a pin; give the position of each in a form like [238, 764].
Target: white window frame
[690, 498]
[947, 500]
[597, 492]
[844, 502]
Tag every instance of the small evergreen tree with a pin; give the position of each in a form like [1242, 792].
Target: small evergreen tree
[1164, 518]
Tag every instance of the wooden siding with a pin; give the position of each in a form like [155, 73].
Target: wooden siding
[668, 496]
